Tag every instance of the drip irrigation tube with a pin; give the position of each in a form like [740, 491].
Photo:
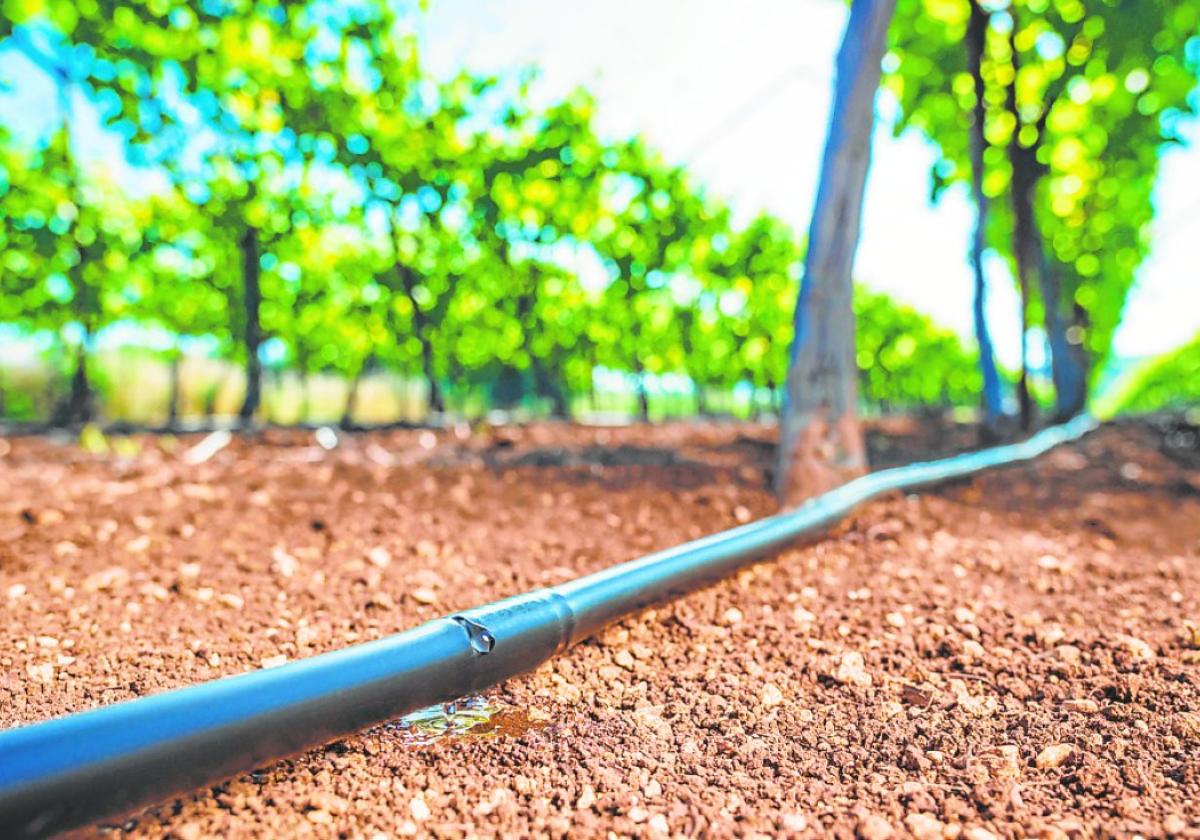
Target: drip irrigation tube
[83, 767]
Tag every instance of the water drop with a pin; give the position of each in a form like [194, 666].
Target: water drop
[482, 640]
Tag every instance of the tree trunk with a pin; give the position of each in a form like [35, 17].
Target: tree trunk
[251, 301]
[174, 395]
[1025, 250]
[81, 403]
[1026, 245]
[643, 397]
[1068, 363]
[436, 402]
[991, 397]
[820, 440]
[347, 421]
[550, 387]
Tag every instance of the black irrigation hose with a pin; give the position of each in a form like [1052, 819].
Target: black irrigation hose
[83, 767]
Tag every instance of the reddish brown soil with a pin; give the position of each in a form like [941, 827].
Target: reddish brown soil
[1011, 656]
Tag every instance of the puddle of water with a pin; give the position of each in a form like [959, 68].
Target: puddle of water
[474, 717]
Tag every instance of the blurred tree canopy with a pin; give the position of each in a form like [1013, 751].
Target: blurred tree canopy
[1169, 381]
[321, 203]
[1078, 100]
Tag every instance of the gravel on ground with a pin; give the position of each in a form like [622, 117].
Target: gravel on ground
[1012, 656]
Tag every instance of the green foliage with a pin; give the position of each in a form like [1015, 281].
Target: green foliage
[1171, 380]
[1092, 91]
[391, 221]
[905, 360]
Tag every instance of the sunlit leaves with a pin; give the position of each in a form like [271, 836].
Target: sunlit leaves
[1097, 88]
[1168, 381]
[439, 228]
[905, 360]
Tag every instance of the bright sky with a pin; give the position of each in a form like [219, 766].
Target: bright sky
[741, 92]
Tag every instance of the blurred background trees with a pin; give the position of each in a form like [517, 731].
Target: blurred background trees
[325, 232]
[1057, 112]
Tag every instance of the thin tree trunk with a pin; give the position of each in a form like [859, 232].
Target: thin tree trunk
[211, 395]
[252, 300]
[347, 421]
[436, 400]
[1068, 363]
[421, 326]
[701, 394]
[546, 385]
[1021, 250]
[174, 395]
[820, 439]
[643, 397]
[1025, 245]
[81, 404]
[991, 397]
[1066, 366]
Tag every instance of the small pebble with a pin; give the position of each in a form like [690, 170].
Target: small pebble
[320, 817]
[1175, 824]
[419, 809]
[1138, 648]
[380, 557]
[924, 826]
[772, 696]
[978, 833]
[587, 797]
[851, 670]
[1053, 756]
[874, 827]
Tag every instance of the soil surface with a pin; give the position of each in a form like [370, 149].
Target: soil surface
[1011, 656]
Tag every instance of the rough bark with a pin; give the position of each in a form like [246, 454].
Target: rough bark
[991, 397]
[821, 440]
[251, 302]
